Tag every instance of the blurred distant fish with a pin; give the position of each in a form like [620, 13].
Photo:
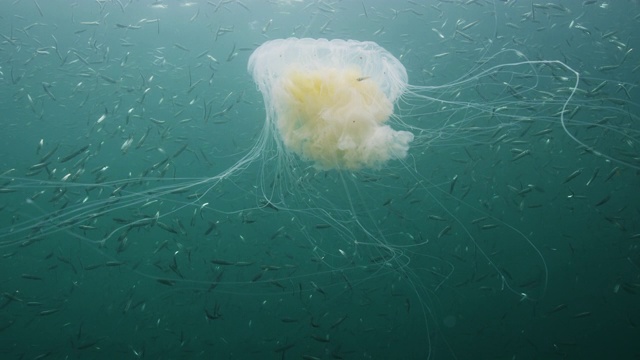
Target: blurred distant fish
[46, 87]
[73, 154]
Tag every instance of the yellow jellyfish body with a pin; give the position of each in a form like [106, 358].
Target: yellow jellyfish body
[329, 100]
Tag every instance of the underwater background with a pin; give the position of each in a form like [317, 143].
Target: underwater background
[128, 231]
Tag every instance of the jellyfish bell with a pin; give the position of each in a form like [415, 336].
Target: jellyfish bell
[330, 100]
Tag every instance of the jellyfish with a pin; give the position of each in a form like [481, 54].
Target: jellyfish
[344, 128]
[357, 176]
[330, 100]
